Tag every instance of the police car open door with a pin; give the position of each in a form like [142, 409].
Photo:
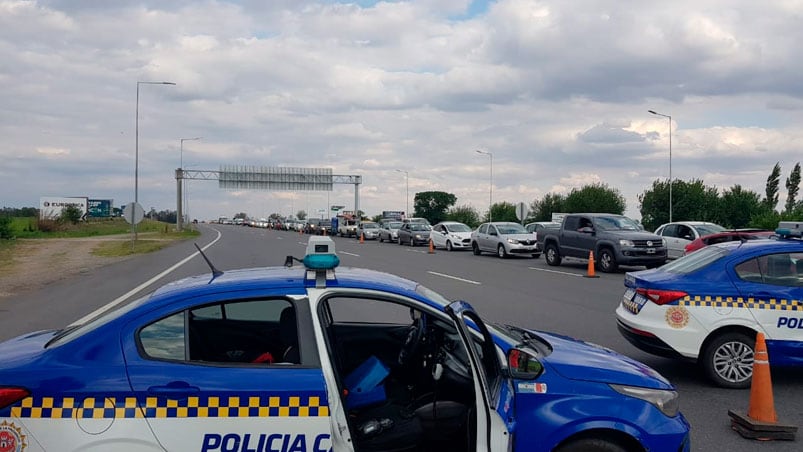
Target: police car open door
[491, 388]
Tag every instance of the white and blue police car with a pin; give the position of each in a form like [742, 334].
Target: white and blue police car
[708, 306]
[318, 358]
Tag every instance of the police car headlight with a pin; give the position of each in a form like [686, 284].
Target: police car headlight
[513, 241]
[626, 243]
[665, 401]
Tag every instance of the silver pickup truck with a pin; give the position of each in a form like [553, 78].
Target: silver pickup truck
[614, 239]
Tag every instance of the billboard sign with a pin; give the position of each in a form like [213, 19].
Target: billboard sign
[50, 206]
[100, 208]
[393, 214]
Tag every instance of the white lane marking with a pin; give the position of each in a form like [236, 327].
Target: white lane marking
[455, 278]
[147, 283]
[350, 254]
[416, 251]
[554, 271]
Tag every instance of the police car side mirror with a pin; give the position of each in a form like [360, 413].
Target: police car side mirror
[523, 364]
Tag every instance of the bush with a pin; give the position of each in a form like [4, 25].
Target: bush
[70, 214]
[5, 228]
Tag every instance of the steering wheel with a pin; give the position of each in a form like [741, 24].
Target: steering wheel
[414, 335]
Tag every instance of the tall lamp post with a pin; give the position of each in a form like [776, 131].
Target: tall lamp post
[407, 181]
[669, 117]
[136, 157]
[491, 185]
[181, 204]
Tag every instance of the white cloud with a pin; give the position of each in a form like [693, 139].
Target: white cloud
[558, 91]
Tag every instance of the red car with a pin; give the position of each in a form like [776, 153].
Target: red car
[728, 236]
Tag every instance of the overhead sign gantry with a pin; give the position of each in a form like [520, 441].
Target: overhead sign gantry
[266, 178]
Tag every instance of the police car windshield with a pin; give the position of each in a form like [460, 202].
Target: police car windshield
[696, 260]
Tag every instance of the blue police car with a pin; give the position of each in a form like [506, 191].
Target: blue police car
[708, 306]
[312, 358]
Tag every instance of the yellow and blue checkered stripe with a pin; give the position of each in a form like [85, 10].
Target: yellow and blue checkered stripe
[311, 405]
[713, 301]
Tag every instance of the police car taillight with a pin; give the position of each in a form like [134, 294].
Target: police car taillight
[661, 297]
[10, 396]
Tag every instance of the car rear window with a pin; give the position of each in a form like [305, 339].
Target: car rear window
[696, 260]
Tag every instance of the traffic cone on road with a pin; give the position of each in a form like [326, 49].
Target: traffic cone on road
[362, 237]
[431, 247]
[590, 272]
[761, 422]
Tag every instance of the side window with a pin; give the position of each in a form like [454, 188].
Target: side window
[483, 229]
[164, 339]
[670, 231]
[777, 269]
[366, 310]
[571, 223]
[253, 331]
[685, 232]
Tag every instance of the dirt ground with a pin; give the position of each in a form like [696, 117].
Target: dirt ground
[36, 263]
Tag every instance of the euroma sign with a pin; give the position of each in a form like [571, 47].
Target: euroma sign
[50, 206]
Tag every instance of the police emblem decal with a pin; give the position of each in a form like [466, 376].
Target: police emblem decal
[677, 317]
[11, 438]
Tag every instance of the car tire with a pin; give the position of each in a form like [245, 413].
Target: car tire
[590, 445]
[412, 241]
[448, 245]
[475, 249]
[552, 255]
[381, 239]
[501, 251]
[400, 241]
[728, 360]
[607, 261]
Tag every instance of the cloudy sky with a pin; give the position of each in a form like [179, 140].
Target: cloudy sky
[557, 91]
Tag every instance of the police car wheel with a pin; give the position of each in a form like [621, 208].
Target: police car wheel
[728, 360]
[590, 445]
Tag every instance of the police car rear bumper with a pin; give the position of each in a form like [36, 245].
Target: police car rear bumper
[647, 342]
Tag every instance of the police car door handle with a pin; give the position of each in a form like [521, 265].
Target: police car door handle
[175, 388]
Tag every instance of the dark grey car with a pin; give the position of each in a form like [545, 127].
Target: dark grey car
[414, 234]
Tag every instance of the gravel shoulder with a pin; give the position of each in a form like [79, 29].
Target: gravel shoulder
[36, 263]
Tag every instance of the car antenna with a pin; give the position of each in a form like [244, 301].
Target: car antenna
[215, 271]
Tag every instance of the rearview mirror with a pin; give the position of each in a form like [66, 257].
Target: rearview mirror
[523, 364]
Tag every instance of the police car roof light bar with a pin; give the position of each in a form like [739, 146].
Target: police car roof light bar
[788, 229]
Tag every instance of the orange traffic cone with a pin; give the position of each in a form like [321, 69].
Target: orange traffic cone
[590, 272]
[362, 237]
[761, 422]
[431, 247]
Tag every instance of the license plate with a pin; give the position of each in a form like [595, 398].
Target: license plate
[650, 250]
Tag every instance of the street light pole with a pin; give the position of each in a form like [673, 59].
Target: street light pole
[491, 185]
[136, 158]
[407, 181]
[669, 117]
[182, 189]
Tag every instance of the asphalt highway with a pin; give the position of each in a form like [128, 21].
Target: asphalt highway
[521, 291]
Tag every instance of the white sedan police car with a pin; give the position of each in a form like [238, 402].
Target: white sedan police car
[709, 305]
[316, 359]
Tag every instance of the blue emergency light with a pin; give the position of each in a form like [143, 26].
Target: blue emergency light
[320, 254]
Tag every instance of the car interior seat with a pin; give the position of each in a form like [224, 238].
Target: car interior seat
[288, 334]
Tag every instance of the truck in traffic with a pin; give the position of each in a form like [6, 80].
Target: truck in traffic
[614, 239]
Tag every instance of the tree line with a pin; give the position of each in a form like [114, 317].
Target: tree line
[734, 207]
